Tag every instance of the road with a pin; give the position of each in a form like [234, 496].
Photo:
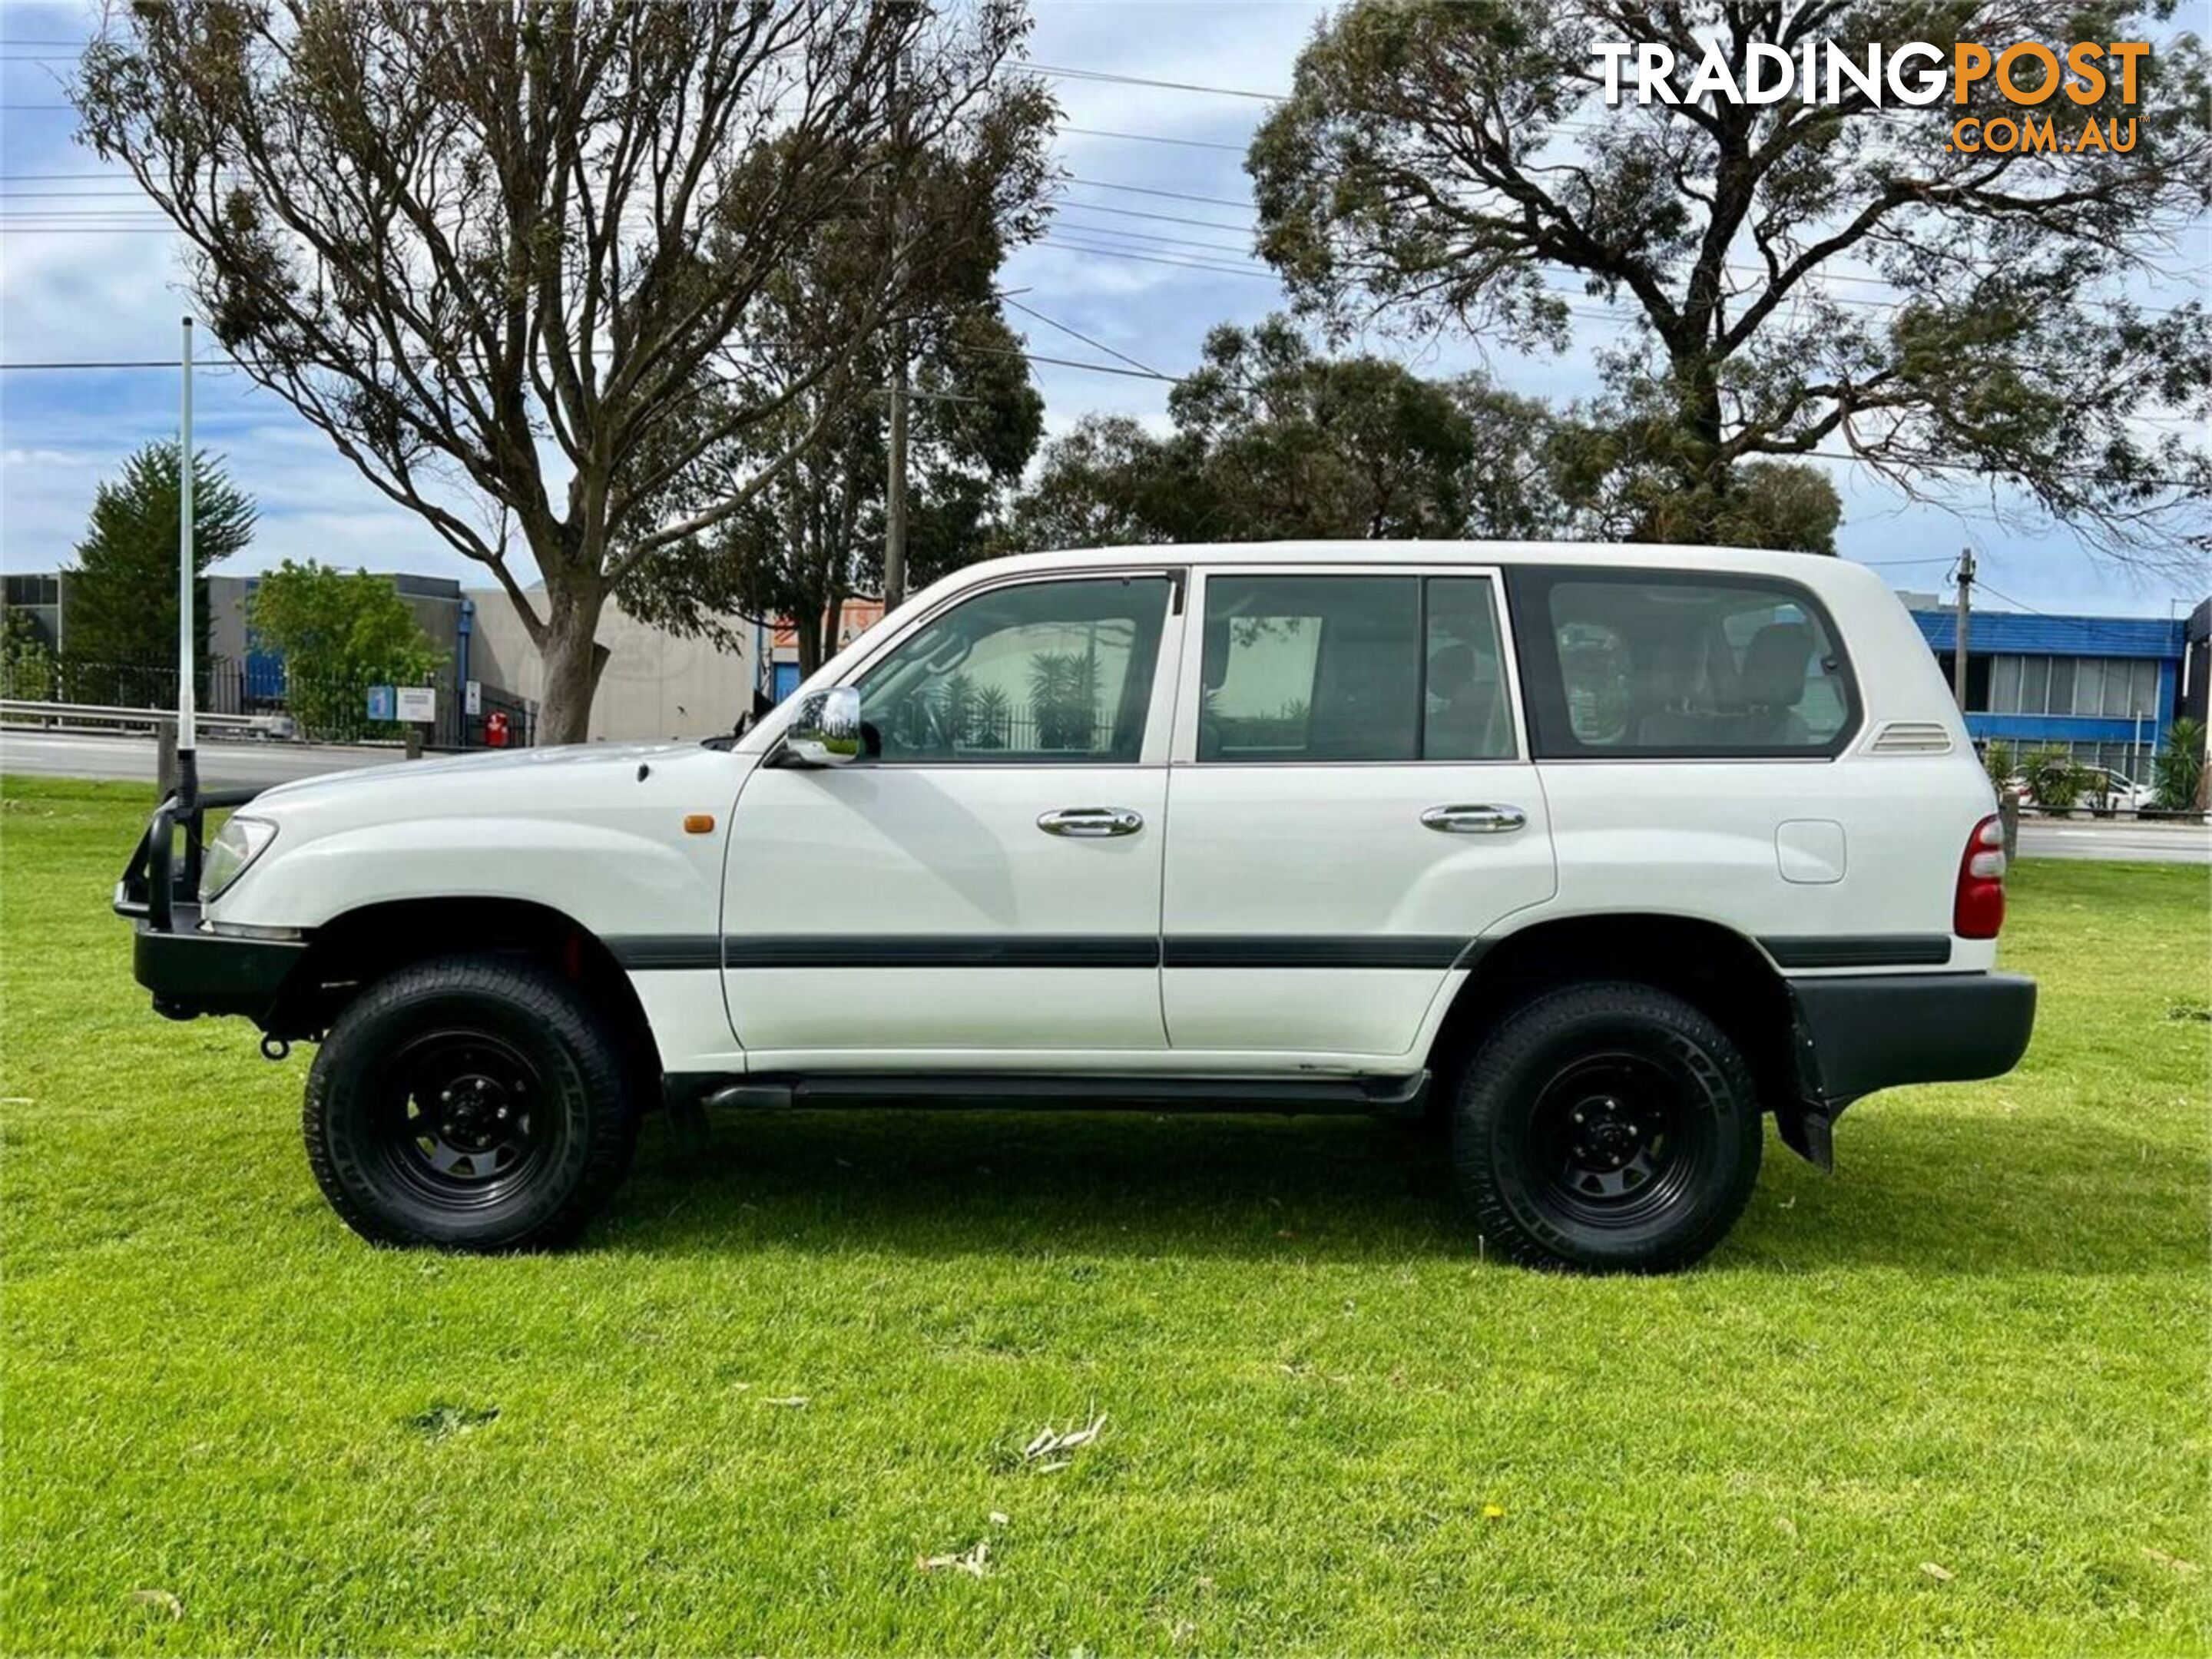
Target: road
[223, 765]
[2148, 844]
[241, 765]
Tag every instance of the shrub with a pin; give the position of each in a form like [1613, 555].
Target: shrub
[2178, 769]
[1999, 761]
[27, 667]
[2054, 778]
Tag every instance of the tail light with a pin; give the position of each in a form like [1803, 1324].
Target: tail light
[1978, 907]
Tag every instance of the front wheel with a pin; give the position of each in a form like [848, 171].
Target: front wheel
[1610, 1128]
[474, 1102]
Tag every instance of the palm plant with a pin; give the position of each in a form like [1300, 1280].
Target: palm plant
[1064, 699]
[994, 713]
[2178, 769]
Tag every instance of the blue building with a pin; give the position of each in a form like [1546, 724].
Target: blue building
[2105, 688]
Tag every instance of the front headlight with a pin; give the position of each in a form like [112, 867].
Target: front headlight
[236, 845]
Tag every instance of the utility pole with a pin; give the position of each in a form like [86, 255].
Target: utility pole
[894, 490]
[1966, 612]
[188, 773]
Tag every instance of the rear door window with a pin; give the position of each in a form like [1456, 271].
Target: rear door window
[1353, 668]
[1660, 665]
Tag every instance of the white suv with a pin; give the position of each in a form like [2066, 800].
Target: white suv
[1595, 852]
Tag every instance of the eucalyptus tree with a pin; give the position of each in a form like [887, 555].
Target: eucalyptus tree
[1832, 277]
[512, 257]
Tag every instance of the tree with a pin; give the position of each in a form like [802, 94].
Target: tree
[1109, 483]
[1616, 471]
[1438, 163]
[511, 258]
[1274, 441]
[120, 598]
[339, 633]
[1297, 444]
[814, 535]
[26, 661]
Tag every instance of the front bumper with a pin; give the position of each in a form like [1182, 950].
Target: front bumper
[193, 973]
[1856, 1033]
[189, 970]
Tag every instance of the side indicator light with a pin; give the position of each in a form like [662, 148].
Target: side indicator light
[698, 824]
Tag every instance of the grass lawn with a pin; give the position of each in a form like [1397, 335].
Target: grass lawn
[1953, 1397]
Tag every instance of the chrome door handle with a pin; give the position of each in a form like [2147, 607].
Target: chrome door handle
[1091, 821]
[1474, 820]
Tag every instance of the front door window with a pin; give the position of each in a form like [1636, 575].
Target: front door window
[1054, 672]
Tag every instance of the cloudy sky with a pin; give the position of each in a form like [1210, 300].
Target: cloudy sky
[85, 276]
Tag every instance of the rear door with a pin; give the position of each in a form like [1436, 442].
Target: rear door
[1351, 803]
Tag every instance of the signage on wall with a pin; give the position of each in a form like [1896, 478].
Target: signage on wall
[855, 616]
[418, 702]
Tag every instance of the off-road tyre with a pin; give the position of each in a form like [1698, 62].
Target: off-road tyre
[1606, 1127]
[473, 1103]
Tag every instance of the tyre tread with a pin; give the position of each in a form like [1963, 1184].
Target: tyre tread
[1500, 1058]
[543, 997]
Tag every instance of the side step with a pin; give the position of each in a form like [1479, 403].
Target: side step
[1393, 1096]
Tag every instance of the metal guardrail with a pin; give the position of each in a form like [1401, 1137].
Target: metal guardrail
[16, 710]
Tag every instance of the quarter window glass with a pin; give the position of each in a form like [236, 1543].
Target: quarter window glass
[1045, 672]
[1682, 668]
[1466, 713]
[1311, 668]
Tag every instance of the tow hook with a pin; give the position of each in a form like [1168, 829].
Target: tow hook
[275, 1047]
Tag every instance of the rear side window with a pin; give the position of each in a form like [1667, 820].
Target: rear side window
[1645, 664]
[1353, 668]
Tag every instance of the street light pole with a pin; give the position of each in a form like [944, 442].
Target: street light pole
[895, 514]
[188, 777]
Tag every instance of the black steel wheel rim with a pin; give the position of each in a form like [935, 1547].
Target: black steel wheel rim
[462, 1118]
[1617, 1138]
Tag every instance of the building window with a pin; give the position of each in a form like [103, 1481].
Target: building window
[2109, 688]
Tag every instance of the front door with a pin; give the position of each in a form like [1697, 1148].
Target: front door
[987, 878]
[1353, 807]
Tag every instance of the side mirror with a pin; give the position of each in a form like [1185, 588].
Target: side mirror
[825, 728]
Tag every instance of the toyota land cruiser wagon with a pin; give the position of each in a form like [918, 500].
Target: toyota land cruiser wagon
[1597, 854]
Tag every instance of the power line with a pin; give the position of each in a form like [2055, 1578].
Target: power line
[107, 362]
[1145, 81]
[1128, 213]
[1090, 230]
[1138, 190]
[1138, 372]
[1140, 138]
[1099, 345]
[1157, 259]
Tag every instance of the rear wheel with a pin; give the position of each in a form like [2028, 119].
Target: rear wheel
[1607, 1127]
[472, 1102]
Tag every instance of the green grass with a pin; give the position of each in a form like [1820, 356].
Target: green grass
[1982, 1345]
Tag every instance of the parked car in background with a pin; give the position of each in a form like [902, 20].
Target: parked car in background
[1601, 854]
